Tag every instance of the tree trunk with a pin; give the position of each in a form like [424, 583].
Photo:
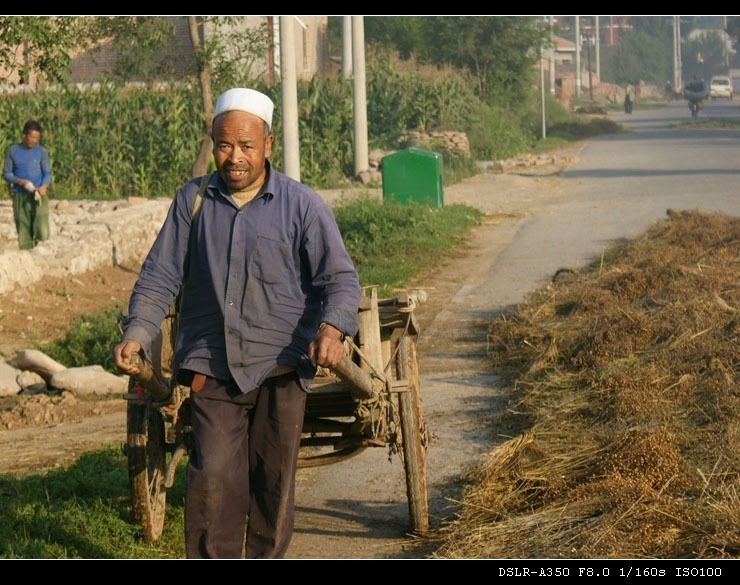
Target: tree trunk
[200, 167]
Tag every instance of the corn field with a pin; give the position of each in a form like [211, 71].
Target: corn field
[113, 141]
[110, 142]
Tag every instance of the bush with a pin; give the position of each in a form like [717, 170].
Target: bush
[89, 340]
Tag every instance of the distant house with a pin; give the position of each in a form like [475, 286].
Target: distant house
[562, 58]
[610, 27]
[564, 52]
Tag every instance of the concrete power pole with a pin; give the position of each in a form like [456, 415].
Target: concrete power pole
[346, 47]
[598, 47]
[677, 75]
[578, 56]
[291, 153]
[359, 95]
[552, 57]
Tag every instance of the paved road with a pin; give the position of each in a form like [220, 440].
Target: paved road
[622, 184]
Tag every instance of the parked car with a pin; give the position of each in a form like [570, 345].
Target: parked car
[721, 87]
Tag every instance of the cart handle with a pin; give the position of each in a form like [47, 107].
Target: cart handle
[362, 384]
[151, 381]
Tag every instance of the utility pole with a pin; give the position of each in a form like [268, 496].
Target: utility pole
[359, 95]
[598, 43]
[677, 74]
[552, 57]
[578, 56]
[590, 76]
[611, 30]
[542, 95]
[346, 47]
[291, 155]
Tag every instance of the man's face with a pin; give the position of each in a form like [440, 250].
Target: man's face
[240, 148]
[31, 138]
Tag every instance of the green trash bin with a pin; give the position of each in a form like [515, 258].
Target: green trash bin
[413, 175]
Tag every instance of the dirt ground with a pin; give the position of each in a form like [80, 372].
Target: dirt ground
[44, 431]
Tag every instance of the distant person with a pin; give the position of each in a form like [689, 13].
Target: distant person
[696, 85]
[28, 172]
[629, 97]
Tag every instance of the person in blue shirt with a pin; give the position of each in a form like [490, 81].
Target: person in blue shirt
[28, 171]
[268, 294]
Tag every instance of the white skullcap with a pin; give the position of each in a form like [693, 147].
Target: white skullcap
[245, 100]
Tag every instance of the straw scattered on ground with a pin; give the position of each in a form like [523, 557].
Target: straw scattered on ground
[625, 400]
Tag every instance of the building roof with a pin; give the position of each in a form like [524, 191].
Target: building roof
[563, 45]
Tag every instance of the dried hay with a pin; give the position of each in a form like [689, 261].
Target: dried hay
[624, 382]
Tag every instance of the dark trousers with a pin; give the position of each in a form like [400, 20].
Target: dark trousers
[31, 219]
[243, 465]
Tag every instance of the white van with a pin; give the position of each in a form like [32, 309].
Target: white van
[720, 86]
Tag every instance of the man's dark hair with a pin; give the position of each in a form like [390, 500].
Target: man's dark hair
[30, 126]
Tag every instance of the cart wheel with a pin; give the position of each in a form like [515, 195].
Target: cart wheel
[312, 458]
[413, 435]
[146, 451]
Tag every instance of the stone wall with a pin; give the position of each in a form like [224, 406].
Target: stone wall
[85, 235]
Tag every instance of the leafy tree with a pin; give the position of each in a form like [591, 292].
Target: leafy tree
[46, 44]
[43, 46]
[499, 51]
[642, 54]
[145, 47]
[659, 27]
[703, 56]
[406, 34]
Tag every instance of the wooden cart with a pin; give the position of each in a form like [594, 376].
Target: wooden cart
[372, 399]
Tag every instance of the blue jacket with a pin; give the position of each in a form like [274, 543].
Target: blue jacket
[31, 164]
[257, 281]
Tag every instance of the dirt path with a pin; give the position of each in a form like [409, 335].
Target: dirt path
[358, 508]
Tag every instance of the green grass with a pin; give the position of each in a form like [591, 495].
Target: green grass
[390, 242]
[583, 129]
[82, 512]
[88, 341]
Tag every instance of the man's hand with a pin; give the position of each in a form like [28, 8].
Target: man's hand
[122, 356]
[326, 349]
